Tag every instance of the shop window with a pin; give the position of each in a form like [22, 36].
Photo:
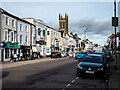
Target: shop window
[6, 53]
[15, 51]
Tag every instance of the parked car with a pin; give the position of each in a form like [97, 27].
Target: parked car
[55, 54]
[80, 55]
[58, 54]
[92, 65]
[101, 53]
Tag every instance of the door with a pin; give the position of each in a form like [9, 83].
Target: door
[2, 56]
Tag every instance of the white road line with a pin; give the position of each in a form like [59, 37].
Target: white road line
[77, 77]
[68, 85]
[73, 81]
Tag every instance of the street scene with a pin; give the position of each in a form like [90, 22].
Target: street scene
[59, 45]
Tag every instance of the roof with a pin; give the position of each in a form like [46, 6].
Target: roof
[94, 55]
[51, 28]
[5, 12]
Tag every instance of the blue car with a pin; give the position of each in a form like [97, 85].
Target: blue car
[80, 55]
[92, 65]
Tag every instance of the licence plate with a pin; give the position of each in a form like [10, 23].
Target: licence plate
[79, 56]
[90, 72]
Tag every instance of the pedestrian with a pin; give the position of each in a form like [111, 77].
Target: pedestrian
[12, 57]
[15, 57]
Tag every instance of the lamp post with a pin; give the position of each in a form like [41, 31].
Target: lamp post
[115, 34]
[85, 29]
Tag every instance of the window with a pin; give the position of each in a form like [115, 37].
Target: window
[39, 30]
[63, 24]
[54, 33]
[7, 21]
[48, 33]
[26, 40]
[15, 35]
[43, 32]
[60, 25]
[11, 36]
[51, 33]
[21, 41]
[21, 27]
[6, 53]
[13, 23]
[5, 35]
[8, 35]
[26, 28]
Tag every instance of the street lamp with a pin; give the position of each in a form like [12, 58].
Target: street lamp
[85, 30]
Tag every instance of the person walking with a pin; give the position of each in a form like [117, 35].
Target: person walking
[12, 57]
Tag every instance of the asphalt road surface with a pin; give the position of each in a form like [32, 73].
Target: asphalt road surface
[51, 74]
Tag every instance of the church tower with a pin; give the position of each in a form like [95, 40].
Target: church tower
[63, 25]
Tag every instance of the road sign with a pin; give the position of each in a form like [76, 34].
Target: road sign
[114, 21]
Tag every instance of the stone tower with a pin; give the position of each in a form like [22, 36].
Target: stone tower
[63, 25]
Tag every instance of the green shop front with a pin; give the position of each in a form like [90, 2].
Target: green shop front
[11, 48]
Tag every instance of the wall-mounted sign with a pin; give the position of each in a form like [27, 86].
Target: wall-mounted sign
[2, 44]
[42, 39]
[57, 43]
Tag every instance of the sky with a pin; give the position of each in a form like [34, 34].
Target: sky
[96, 16]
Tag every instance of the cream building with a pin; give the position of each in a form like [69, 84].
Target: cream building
[53, 40]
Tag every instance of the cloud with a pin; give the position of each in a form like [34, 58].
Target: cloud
[97, 32]
[103, 27]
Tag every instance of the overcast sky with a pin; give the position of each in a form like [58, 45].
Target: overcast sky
[96, 16]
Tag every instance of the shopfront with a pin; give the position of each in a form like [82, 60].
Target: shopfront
[25, 52]
[9, 49]
[35, 52]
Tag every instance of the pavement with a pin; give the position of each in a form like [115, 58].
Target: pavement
[19, 63]
[114, 78]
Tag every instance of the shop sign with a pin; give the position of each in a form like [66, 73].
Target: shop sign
[42, 39]
[2, 44]
[12, 45]
[57, 43]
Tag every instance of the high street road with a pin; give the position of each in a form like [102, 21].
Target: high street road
[59, 73]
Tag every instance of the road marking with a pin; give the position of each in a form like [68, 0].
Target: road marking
[63, 89]
[77, 77]
[73, 81]
[68, 85]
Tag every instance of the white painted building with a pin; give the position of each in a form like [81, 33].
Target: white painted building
[23, 34]
[53, 40]
[40, 35]
[8, 35]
